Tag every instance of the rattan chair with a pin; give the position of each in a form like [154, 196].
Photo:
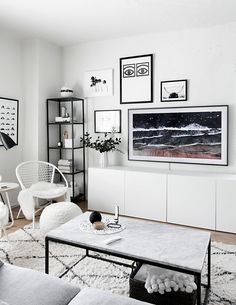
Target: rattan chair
[31, 172]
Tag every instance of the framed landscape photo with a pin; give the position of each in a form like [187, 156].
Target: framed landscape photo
[136, 79]
[174, 90]
[98, 83]
[196, 135]
[107, 121]
[9, 118]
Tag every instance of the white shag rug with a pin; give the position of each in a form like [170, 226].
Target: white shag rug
[26, 249]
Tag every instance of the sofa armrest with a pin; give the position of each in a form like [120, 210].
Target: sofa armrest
[24, 286]
[92, 296]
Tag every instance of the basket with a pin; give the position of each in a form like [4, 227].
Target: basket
[139, 292]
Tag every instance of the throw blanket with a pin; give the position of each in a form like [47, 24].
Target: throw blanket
[42, 190]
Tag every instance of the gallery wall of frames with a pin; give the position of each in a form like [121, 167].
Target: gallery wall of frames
[193, 134]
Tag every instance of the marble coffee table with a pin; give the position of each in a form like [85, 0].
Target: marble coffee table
[171, 247]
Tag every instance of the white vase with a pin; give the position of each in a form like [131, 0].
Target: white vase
[103, 161]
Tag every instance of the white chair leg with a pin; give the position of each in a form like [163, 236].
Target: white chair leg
[5, 233]
[18, 215]
[34, 220]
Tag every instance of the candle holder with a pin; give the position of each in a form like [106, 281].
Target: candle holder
[115, 224]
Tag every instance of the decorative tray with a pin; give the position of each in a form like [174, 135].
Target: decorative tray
[86, 226]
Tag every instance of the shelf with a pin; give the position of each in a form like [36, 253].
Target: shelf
[65, 123]
[65, 99]
[77, 147]
[78, 171]
[75, 123]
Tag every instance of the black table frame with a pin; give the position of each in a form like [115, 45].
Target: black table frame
[197, 275]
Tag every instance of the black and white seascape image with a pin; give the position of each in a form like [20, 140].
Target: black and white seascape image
[179, 136]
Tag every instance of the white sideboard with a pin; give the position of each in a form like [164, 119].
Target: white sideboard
[106, 189]
[204, 200]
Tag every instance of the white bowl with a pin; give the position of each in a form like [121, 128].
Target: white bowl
[66, 92]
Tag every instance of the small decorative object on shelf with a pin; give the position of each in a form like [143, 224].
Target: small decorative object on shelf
[115, 224]
[65, 166]
[103, 145]
[59, 119]
[63, 111]
[59, 144]
[66, 91]
[95, 216]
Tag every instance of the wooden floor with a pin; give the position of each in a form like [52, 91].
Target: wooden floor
[216, 236]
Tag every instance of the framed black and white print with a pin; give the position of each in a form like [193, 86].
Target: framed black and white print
[98, 83]
[107, 121]
[136, 79]
[9, 118]
[174, 90]
[195, 135]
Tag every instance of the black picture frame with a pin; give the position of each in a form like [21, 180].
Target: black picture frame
[100, 127]
[186, 141]
[9, 113]
[136, 79]
[180, 85]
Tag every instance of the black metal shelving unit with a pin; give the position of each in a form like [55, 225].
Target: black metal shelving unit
[54, 105]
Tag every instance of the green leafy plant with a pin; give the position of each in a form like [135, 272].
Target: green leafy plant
[108, 143]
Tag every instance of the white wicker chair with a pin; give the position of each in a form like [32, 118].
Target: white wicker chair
[30, 172]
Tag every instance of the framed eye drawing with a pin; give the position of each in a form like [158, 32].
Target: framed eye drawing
[107, 121]
[9, 118]
[174, 90]
[136, 79]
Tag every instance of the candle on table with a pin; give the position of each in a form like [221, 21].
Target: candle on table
[116, 212]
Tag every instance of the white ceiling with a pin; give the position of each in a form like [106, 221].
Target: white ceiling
[67, 22]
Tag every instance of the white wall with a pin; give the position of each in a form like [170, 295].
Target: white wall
[42, 79]
[50, 82]
[11, 87]
[31, 72]
[206, 57]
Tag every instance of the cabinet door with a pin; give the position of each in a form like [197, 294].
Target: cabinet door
[191, 201]
[145, 195]
[226, 205]
[105, 189]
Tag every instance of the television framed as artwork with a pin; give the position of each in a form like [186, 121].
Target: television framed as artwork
[195, 135]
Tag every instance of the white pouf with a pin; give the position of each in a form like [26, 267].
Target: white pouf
[4, 214]
[57, 214]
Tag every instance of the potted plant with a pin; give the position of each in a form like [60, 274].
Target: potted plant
[103, 145]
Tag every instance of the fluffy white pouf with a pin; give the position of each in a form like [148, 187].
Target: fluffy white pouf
[56, 214]
[3, 217]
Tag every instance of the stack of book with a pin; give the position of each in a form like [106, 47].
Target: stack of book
[65, 166]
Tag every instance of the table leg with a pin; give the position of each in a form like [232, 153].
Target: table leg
[198, 278]
[46, 255]
[209, 265]
[10, 210]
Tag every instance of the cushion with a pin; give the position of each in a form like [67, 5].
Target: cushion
[3, 303]
[47, 190]
[92, 296]
[27, 287]
[57, 214]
